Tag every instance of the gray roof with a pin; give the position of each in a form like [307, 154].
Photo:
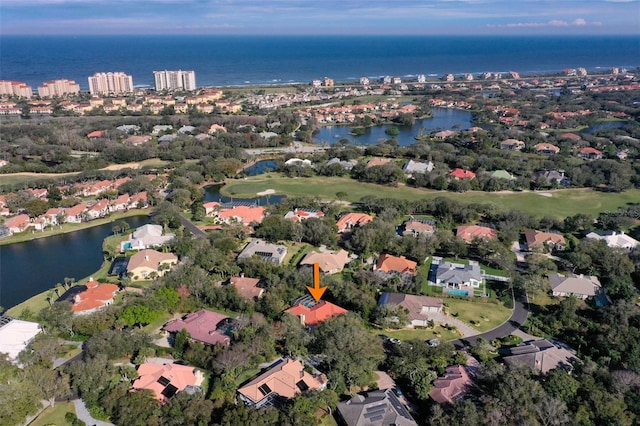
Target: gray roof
[377, 408]
[542, 355]
[417, 167]
[575, 284]
[271, 252]
[458, 274]
[149, 236]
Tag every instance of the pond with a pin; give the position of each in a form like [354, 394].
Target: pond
[260, 168]
[442, 119]
[605, 125]
[212, 193]
[29, 268]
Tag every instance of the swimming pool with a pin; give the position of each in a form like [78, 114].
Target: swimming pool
[458, 292]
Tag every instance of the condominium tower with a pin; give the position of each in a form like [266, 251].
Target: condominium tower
[58, 88]
[175, 80]
[15, 88]
[114, 83]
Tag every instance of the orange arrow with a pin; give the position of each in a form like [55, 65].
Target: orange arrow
[316, 291]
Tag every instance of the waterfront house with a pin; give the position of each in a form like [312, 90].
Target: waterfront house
[147, 262]
[146, 236]
[98, 210]
[203, 326]
[458, 279]
[268, 252]
[75, 214]
[95, 297]
[285, 379]
[139, 200]
[468, 233]
[210, 208]
[376, 407]
[454, 384]
[120, 204]
[165, 380]
[348, 221]
[417, 308]
[539, 241]
[248, 288]
[329, 262]
[580, 286]
[18, 223]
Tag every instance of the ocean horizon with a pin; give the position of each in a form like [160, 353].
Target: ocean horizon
[263, 60]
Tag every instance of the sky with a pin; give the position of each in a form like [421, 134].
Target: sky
[311, 17]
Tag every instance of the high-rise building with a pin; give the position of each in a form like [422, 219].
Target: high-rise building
[175, 80]
[110, 83]
[58, 88]
[15, 88]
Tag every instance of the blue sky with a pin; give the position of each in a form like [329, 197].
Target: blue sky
[77, 17]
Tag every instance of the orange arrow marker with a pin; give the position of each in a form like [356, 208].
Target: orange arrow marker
[316, 291]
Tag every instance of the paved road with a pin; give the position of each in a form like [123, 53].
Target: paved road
[84, 415]
[517, 319]
[191, 227]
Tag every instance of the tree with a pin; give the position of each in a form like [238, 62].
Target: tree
[138, 315]
[51, 383]
[36, 207]
[139, 408]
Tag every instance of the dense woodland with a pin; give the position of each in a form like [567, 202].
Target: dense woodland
[603, 389]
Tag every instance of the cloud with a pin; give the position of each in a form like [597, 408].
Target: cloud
[578, 22]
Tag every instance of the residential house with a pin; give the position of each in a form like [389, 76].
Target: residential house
[348, 221]
[415, 227]
[136, 140]
[203, 326]
[243, 214]
[455, 383]
[210, 208]
[284, 379]
[444, 134]
[580, 286]
[347, 165]
[98, 210]
[75, 214]
[589, 153]
[139, 200]
[298, 215]
[413, 167]
[541, 356]
[552, 177]
[395, 265]
[462, 174]
[268, 252]
[375, 408]
[298, 162]
[540, 241]
[120, 204]
[512, 145]
[18, 223]
[312, 313]
[95, 297]
[546, 149]
[248, 288]
[377, 161]
[96, 134]
[15, 335]
[146, 236]
[53, 215]
[96, 188]
[470, 232]
[165, 380]
[418, 308]
[459, 279]
[147, 262]
[329, 262]
[160, 128]
[615, 239]
[501, 174]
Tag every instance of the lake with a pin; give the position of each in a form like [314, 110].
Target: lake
[442, 119]
[29, 268]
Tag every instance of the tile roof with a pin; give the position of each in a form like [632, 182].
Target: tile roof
[583, 285]
[414, 304]
[95, 296]
[349, 220]
[469, 232]
[389, 263]
[247, 287]
[328, 261]
[455, 382]
[202, 326]
[540, 238]
[375, 408]
[245, 214]
[166, 380]
[462, 174]
[316, 314]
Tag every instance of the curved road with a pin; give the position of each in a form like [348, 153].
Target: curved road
[191, 227]
[517, 319]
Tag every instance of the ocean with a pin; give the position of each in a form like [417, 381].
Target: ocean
[258, 60]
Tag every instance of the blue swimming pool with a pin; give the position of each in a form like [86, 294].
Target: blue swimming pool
[458, 292]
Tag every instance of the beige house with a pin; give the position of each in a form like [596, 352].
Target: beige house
[580, 286]
[145, 262]
[329, 262]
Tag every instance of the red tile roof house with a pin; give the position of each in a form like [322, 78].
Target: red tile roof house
[453, 384]
[94, 297]
[378, 162]
[210, 208]
[247, 287]
[589, 153]
[311, 313]
[350, 220]
[469, 232]
[202, 326]
[98, 210]
[243, 214]
[539, 241]
[139, 200]
[462, 174]
[167, 380]
[546, 149]
[17, 223]
[120, 204]
[298, 215]
[285, 379]
[417, 227]
[389, 264]
[75, 214]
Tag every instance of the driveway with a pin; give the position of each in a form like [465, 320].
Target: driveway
[84, 415]
[191, 227]
[517, 319]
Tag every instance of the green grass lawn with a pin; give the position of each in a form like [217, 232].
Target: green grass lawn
[422, 334]
[559, 203]
[55, 415]
[486, 315]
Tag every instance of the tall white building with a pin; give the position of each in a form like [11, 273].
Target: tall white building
[15, 88]
[113, 83]
[175, 80]
[58, 88]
